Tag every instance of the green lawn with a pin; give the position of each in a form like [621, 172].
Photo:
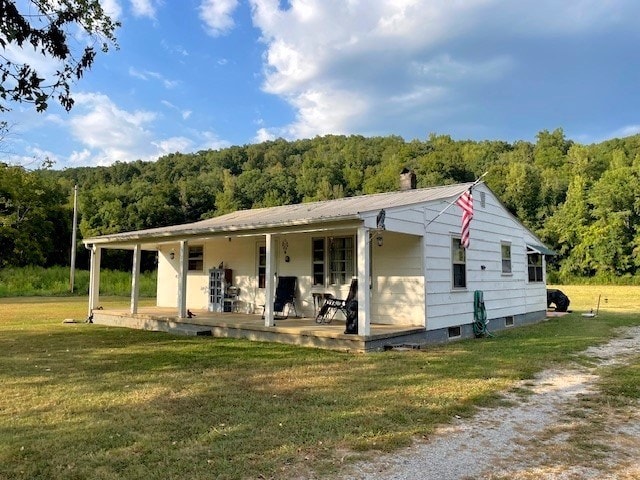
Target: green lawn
[86, 401]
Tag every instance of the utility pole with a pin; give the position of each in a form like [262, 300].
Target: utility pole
[73, 237]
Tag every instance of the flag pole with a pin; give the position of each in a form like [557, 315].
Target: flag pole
[455, 200]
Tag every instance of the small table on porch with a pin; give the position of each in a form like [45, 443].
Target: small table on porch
[318, 300]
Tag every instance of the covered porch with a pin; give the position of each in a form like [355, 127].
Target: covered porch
[388, 265]
[303, 331]
[237, 261]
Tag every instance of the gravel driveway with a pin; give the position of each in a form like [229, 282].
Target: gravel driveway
[535, 435]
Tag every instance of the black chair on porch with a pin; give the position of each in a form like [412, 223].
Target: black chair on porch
[285, 296]
[334, 305]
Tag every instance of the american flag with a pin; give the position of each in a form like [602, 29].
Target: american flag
[465, 201]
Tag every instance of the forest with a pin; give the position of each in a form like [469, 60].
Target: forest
[583, 201]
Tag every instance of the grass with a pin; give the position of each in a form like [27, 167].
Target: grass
[86, 401]
[54, 281]
[613, 298]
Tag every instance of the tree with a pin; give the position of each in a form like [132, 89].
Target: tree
[32, 218]
[567, 227]
[551, 148]
[46, 27]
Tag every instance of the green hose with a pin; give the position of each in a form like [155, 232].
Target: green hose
[480, 315]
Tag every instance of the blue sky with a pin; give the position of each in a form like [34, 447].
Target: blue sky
[200, 74]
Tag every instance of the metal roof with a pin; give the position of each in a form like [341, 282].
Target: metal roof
[342, 209]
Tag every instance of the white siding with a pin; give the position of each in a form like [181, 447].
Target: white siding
[504, 294]
[239, 254]
[398, 282]
[406, 268]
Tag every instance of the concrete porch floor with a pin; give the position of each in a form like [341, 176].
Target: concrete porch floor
[297, 331]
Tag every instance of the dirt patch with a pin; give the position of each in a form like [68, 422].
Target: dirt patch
[558, 427]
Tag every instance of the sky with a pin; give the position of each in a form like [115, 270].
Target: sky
[191, 75]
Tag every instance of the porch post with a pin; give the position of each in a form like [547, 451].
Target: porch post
[425, 288]
[94, 278]
[364, 276]
[135, 279]
[269, 320]
[182, 279]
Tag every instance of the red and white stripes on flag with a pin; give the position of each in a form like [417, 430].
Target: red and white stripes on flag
[465, 201]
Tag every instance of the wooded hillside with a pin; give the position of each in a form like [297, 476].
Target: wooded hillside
[582, 200]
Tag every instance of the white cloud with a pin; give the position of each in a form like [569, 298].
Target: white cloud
[114, 134]
[137, 74]
[55, 119]
[210, 140]
[112, 8]
[106, 133]
[346, 66]
[175, 49]
[263, 135]
[173, 144]
[198, 140]
[622, 132]
[80, 158]
[337, 62]
[147, 75]
[41, 155]
[44, 65]
[218, 15]
[144, 8]
[444, 68]
[33, 157]
[627, 131]
[185, 114]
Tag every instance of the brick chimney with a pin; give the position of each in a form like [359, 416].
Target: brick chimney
[407, 179]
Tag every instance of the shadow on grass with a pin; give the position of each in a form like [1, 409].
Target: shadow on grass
[86, 401]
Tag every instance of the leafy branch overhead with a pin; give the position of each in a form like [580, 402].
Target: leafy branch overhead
[48, 28]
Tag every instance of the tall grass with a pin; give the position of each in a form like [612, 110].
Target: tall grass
[54, 281]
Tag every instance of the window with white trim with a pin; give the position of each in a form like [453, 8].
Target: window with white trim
[534, 262]
[333, 260]
[318, 259]
[505, 249]
[262, 266]
[459, 263]
[196, 258]
[341, 264]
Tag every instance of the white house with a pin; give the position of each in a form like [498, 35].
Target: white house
[412, 270]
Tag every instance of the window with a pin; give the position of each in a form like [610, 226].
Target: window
[454, 332]
[318, 247]
[534, 261]
[333, 260]
[196, 258]
[459, 264]
[341, 260]
[262, 266]
[508, 321]
[506, 257]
